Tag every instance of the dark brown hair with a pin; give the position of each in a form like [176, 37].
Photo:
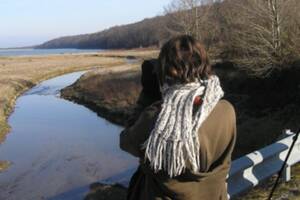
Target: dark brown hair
[182, 60]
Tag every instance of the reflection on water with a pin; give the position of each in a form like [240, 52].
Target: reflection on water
[56, 146]
[53, 86]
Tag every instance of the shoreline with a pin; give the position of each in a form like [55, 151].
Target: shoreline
[119, 55]
[10, 107]
[115, 108]
[18, 74]
[5, 127]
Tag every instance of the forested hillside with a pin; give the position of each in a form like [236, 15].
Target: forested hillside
[148, 32]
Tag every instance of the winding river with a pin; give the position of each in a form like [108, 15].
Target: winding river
[57, 148]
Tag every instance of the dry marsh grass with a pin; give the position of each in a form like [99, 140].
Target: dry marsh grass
[137, 53]
[116, 87]
[111, 94]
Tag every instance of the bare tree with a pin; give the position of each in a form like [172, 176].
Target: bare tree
[198, 18]
[259, 33]
[189, 15]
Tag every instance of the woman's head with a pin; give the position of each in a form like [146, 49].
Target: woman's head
[182, 60]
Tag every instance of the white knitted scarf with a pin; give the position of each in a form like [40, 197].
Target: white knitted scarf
[174, 139]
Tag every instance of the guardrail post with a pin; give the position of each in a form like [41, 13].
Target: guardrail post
[287, 173]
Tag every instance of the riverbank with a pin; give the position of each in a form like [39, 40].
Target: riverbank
[111, 94]
[18, 74]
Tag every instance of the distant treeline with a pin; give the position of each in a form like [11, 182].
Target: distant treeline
[148, 32]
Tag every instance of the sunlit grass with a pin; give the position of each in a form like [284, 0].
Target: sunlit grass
[111, 94]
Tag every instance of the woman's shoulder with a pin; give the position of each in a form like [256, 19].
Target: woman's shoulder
[222, 115]
[226, 107]
[226, 104]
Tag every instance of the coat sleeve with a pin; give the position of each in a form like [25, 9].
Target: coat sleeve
[132, 137]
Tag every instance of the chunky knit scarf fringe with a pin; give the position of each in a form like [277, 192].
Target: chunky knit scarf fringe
[174, 139]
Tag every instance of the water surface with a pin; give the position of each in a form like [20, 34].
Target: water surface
[32, 52]
[56, 146]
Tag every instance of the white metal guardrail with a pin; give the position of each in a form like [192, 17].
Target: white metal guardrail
[251, 169]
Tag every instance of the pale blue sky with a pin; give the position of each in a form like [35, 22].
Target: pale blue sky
[29, 22]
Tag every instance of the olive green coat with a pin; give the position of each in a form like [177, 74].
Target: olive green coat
[217, 137]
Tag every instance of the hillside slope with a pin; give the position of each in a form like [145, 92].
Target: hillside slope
[148, 32]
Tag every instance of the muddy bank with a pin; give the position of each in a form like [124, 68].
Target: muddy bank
[111, 94]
